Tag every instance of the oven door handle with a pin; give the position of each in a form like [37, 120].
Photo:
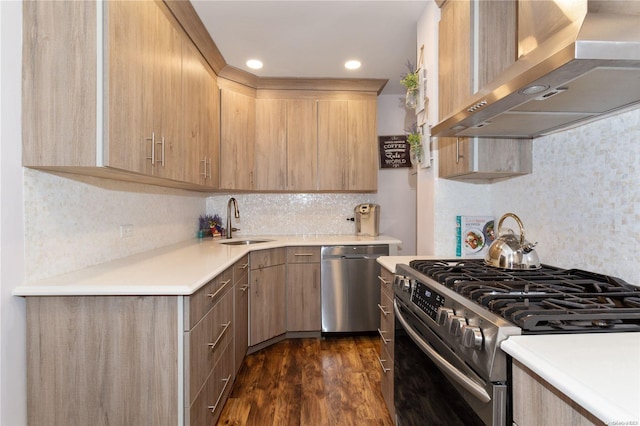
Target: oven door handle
[474, 388]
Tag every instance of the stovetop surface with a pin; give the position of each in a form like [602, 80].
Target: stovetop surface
[542, 301]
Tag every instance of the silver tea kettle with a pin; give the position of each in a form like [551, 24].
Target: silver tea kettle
[510, 251]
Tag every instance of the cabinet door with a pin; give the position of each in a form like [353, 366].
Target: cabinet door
[201, 119]
[387, 324]
[267, 303]
[362, 146]
[270, 169]
[237, 129]
[303, 297]
[241, 313]
[302, 145]
[332, 145]
[145, 90]
[347, 145]
[453, 156]
[454, 79]
[128, 61]
[167, 95]
[454, 55]
[210, 119]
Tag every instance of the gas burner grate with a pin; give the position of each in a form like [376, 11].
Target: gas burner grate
[545, 300]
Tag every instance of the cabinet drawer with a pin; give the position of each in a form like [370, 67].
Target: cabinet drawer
[387, 322]
[240, 268]
[207, 406]
[303, 254]
[386, 282]
[386, 380]
[200, 302]
[263, 258]
[206, 342]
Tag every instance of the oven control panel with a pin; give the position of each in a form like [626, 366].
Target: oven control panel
[427, 299]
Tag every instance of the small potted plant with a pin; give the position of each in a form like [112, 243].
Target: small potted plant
[414, 139]
[410, 82]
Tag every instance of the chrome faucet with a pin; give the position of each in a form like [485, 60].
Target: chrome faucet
[230, 229]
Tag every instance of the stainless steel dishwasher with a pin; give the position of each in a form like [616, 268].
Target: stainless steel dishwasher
[350, 288]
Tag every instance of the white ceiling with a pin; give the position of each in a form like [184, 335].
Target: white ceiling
[311, 38]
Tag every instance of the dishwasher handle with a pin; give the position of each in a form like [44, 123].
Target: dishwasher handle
[359, 256]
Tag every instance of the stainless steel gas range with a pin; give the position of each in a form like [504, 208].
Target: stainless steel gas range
[452, 315]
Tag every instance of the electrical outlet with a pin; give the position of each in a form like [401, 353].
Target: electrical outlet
[126, 231]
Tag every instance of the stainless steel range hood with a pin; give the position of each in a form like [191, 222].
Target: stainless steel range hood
[578, 60]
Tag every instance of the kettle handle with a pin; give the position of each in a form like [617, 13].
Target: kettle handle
[517, 219]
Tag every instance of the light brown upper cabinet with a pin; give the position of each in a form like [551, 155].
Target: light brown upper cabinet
[237, 138]
[476, 159]
[201, 106]
[113, 109]
[303, 141]
[285, 145]
[347, 145]
[271, 144]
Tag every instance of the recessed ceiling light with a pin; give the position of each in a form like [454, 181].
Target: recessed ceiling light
[254, 64]
[352, 65]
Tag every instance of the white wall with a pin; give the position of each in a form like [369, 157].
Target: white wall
[439, 201]
[12, 309]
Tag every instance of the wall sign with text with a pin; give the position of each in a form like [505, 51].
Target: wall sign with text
[394, 152]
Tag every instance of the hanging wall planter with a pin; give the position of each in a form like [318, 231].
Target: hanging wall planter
[414, 139]
[411, 100]
[410, 82]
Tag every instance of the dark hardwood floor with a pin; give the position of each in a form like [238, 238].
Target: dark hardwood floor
[309, 382]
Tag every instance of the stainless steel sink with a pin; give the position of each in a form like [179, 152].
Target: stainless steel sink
[243, 242]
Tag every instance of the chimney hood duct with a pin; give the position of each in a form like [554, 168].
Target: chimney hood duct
[584, 69]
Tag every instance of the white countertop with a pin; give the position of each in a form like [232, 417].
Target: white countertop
[179, 269]
[600, 372]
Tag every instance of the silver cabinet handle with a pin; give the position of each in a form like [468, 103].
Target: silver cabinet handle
[244, 288]
[384, 340]
[385, 313]
[383, 281]
[458, 156]
[303, 254]
[153, 148]
[204, 167]
[245, 266]
[214, 406]
[384, 369]
[213, 295]
[161, 143]
[225, 327]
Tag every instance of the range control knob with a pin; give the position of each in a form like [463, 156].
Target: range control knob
[406, 285]
[443, 314]
[472, 337]
[455, 327]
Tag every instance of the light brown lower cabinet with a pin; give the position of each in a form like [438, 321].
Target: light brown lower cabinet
[119, 359]
[103, 360]
[386, 331]
[241, 313]
[303, 289]
[536, 402]
[267, 300]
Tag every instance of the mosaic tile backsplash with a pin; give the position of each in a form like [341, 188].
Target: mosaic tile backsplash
[291, 214]
[582, 202]
[71, 224]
